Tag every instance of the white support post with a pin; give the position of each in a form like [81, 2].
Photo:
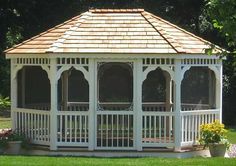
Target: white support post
[91, 105]
[23, 88]
[137, 76]
[65, 90]
[96, 98]
[53, 111]
[13, 94]
[177, 105]
[219, 92]
[168, 92]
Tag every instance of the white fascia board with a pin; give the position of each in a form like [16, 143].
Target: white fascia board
[10, 56]
[113, 55]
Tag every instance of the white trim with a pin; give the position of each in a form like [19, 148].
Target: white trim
[114, 55]
[67, 67]
[162, 67]
[183, 70]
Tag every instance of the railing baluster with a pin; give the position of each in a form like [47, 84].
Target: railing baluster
[165, 129]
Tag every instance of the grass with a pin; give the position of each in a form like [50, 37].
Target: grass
[5, 122]
[61, 161]
[232, 135]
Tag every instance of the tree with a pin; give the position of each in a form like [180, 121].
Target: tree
[223, 16]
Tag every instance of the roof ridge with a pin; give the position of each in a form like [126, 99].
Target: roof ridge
[172, 42]
[138, 10]
[179, 28]
[66, 34]
[41, 34]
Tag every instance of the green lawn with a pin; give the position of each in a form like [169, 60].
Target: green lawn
[232, 135]
[5, 122]
[59, 161]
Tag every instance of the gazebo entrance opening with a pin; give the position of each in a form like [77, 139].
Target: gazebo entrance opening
[157, 108]
[114, 115]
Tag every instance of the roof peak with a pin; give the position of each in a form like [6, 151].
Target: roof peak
[116, 10]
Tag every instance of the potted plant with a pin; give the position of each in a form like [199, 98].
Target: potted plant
[213, 135]
[4, 139]
[15, 141]
[3, 144]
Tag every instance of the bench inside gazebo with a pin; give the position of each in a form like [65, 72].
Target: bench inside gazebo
[114, 79]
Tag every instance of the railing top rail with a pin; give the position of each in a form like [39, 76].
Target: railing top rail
[158, 113]
[72, 112]
[196, 112]
[114, 103]
[191, 104]
[34, 111]
[152, 103]
[114, 112]
[77, 103]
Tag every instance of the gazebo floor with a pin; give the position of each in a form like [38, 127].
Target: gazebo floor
[97, 153]
[147, 152]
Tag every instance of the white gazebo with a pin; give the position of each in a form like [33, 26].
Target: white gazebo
[114, 79]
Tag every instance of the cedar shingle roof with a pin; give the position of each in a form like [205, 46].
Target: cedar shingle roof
[114, 31]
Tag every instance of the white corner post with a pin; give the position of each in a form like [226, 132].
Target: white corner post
[91, 105]
[219, 91]
[137, 79]
[13, 93]
[53, 111]
[177, 105]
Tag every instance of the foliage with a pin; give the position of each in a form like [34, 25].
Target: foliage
[4, 103]
[3, 142]
[224, 18]
[213, 133]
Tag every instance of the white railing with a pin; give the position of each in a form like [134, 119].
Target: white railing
[191, 121]
[34, 124]
[72, 128]
[115, 106]
[114, 130]
[156, 106]
[157, 129]
[38, 106]
[189, 107]
[75, 106]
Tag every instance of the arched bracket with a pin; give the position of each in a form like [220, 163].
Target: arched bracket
[183, 70]
[151, 68]
[80, 68]
[47, 69]
[16, 68]
[216, 70]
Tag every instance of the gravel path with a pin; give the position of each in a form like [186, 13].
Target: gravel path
[232, 151]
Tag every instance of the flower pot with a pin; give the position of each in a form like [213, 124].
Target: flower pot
[14, 147]
[217, 150]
